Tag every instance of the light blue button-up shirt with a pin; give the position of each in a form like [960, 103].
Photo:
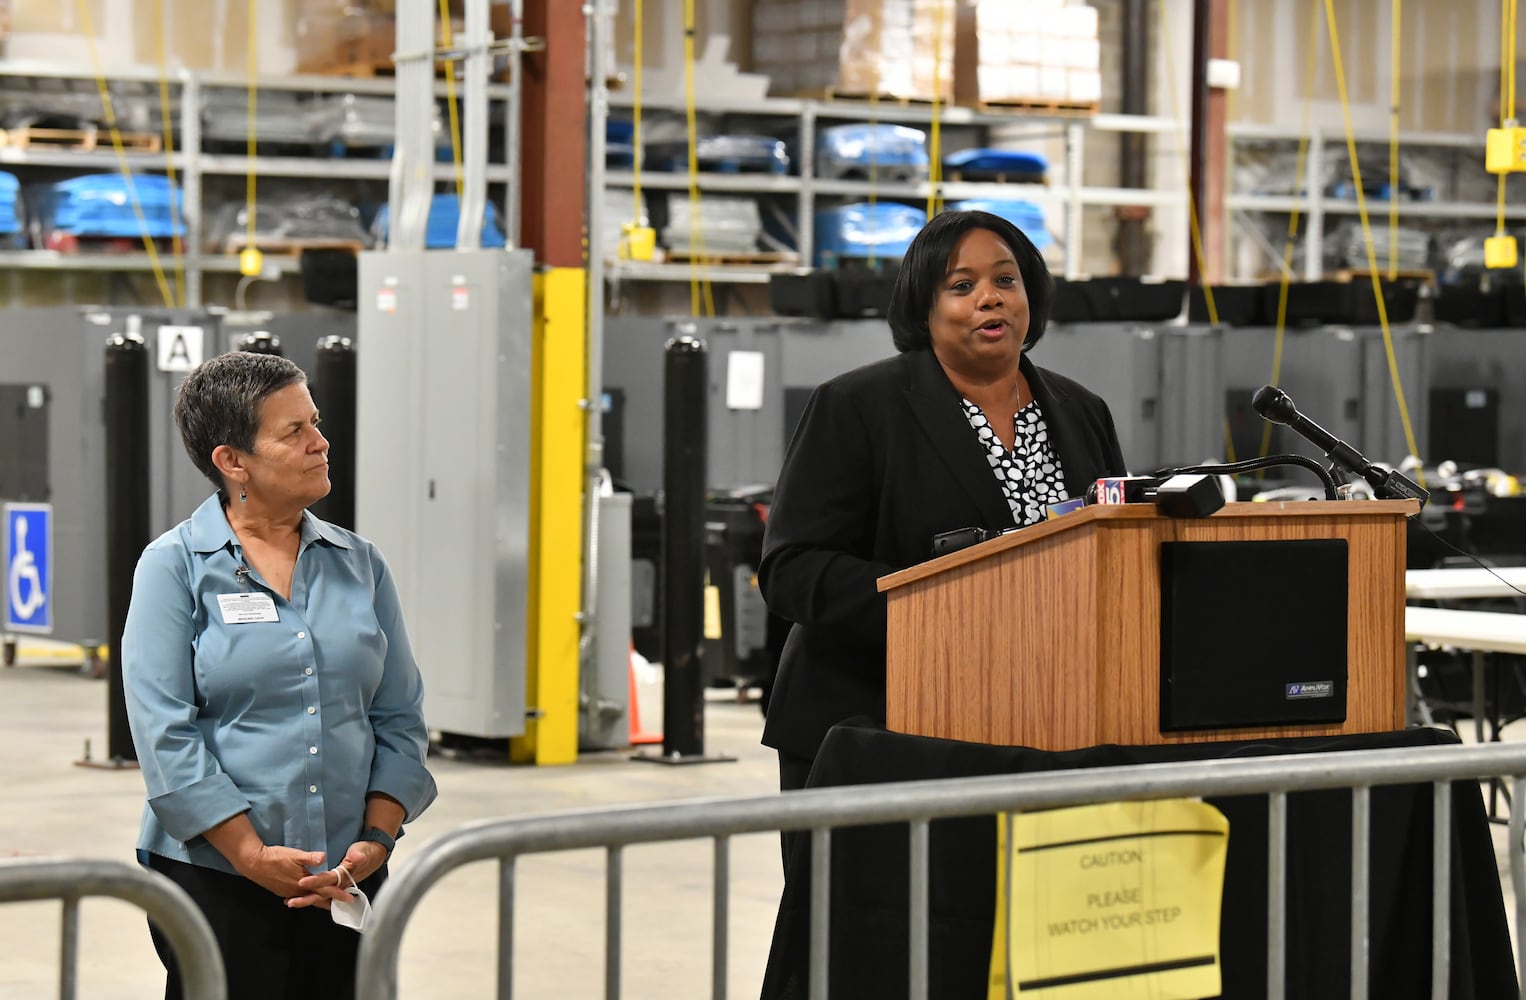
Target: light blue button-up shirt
[292, 721]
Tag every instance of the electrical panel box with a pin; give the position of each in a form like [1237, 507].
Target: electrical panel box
[1129, 381]
[443, 470]
[1191, 417]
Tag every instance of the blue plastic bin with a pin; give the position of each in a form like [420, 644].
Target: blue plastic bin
[726, 154]
[10, 193]
[444, 218]
[1011, 164]
[891, 150]
[884, 229]
[98, 205]
[1023, 214]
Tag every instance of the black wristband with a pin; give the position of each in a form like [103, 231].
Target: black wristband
[376, 835]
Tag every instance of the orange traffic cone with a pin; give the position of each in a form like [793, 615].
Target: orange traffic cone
[638, 737]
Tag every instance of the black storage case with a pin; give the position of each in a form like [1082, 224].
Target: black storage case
[812, 295]
[1470, 306]
[862, 293]
[1105, 300]
[1350, 302]
[1237, 305]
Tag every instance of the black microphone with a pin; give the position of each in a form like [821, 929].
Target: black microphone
[1277, 406]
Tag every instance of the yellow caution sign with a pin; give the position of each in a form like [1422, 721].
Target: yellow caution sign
[1110, 902]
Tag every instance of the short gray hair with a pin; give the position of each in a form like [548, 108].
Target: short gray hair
[219, 403]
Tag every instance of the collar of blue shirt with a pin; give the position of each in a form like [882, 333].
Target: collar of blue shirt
[211, 531]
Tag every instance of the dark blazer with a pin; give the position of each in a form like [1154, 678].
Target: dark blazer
[883, 459]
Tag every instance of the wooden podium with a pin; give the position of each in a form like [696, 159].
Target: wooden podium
[1050, 637]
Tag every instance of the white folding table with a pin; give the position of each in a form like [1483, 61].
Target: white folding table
[1479, 632]
[1463, 584]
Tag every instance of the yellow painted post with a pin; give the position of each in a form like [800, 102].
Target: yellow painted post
[558, 425]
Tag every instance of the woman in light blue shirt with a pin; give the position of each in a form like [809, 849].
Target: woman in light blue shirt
[275, 704]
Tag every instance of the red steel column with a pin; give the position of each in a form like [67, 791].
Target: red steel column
[553, 169]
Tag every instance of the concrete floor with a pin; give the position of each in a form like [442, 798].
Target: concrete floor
[53, 808]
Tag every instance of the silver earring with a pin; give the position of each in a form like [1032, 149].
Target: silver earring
[242, 496]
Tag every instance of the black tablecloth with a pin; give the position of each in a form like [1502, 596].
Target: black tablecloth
[870, 865]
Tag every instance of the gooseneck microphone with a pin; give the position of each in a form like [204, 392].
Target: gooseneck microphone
[1277, 406]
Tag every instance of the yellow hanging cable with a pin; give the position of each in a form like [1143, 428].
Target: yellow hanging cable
[110, 114]
[1361, 207]
[447, 39]
[252, 142]
[1192, 217]
[638, 207]
[1293, 218]
[700, 293]
[1514, 12]
[1505, 59]
[1393, 143]
[167, 123]
[935, 137]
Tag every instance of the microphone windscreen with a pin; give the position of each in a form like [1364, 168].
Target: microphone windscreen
[1273, 404]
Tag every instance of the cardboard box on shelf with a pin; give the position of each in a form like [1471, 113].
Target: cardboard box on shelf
[197, 34]
[1025, 51]
[1074, 21]
[898, 48]
[1083, 53]
[344, 40]
[1027, 47]
[1054, 83]
[895, 48]
[1085, 86]
[348, 39]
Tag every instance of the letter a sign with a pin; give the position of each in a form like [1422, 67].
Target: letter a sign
[28, 567]
[180, 348]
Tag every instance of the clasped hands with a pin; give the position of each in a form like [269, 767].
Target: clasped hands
[285, 872]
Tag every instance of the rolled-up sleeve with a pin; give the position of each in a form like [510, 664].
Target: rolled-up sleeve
[187, 789]
[397, 710]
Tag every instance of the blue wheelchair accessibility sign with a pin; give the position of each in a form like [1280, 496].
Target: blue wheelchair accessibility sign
[28, 567]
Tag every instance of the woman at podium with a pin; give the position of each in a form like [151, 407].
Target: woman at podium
[959, 430]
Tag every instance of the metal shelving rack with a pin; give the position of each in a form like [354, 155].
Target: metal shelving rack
[808, 114]
[193, 165]
[1317, 205]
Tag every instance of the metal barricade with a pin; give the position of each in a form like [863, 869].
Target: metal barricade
[168, 905]
[917, 804]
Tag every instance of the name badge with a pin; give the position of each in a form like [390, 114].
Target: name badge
[242, 609]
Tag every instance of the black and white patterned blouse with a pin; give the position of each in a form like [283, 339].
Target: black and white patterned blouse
[1030, 474]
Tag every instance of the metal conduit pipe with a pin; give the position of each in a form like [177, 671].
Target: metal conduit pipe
[474, 126]
[1133, 238]
[413, 156]
[1197, 154]
[593, 470]
[512, 127]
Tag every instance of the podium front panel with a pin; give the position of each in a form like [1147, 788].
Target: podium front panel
[1054, 642]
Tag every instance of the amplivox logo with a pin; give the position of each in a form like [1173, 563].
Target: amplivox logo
[1310, 689]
